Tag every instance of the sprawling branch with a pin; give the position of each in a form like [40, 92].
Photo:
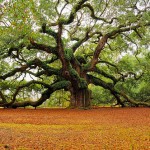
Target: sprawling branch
[45, 95]
[21, 87]
[133, 102]
[14, 71]
[73, 13]
[108, 86]
[43, 65]
[60, 49]
[87, 5]
[97, 52]
[99, 82]
[110, 64]
[49, 31]
[85, 38]
[116, 94]
[103, 41]
[48, 49]
[103, 73]
[34, 63]
[126, 29]
[122, 76]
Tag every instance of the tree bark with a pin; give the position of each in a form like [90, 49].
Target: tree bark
[80, 98]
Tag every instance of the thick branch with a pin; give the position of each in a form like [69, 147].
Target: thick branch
[60, 49]
[14, 71]
[34, 63]
[48, 49]
[110, 64]
[136, 103]
[104, 39]
[108, 86]
[99, 82]
[45, 95]
[43, 65]
[97, 52]
[21, 87]
[103, 73]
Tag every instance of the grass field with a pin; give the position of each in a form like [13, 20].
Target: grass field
[63, 129]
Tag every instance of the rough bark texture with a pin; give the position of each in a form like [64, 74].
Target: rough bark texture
[80, 98]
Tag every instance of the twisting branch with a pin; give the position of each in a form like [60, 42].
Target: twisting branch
[133, 102]
[103, 73]
[27, 85]
[60, 49]
[48, 49]
[108, 86]
[123, 76]
[95, 17]
[63, 7]
[98, 81]
[126, 28]
[97, 52]
[75, 28]
[45, 95]
[72, 15]
[87, 36]
[104, 39]
[57, 3]
[14, 71]
[48, 31]
[34, 63]
[81, 41]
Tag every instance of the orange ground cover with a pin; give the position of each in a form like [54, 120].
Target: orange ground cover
[63, 129]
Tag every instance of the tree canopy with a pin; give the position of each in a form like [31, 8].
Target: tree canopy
[50, 45]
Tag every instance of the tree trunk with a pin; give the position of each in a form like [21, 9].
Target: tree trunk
[80, 98]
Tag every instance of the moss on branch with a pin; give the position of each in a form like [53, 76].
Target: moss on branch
[81, 59]
[68, 54]
[103, 73]
[82, 84]
[48, 31]
[73, 73]
[42, 47]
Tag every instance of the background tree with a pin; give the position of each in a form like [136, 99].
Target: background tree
[66, 44]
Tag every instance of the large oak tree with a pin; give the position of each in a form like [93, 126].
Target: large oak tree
[68, 44]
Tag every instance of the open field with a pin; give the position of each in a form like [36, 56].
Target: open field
[63, 129]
